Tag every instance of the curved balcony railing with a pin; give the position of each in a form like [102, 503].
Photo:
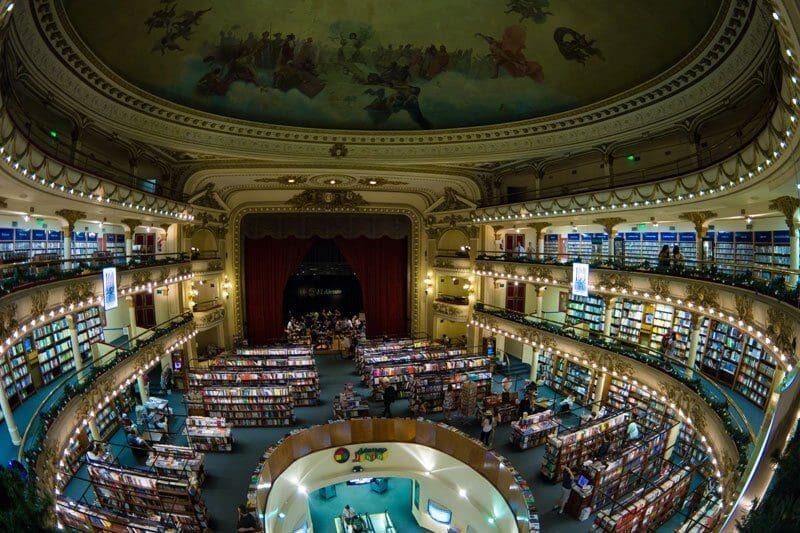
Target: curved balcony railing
[470, 451]
[766, 280]
[723, 149]
[16, 277]
[736, 422]
[76, 382]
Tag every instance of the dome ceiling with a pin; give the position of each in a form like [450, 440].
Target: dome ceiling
[387, 64]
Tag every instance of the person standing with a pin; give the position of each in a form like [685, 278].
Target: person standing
[677, 258]
[633, 432]
[487, 426]
[389, 396]
[348, 514]
[567, 477]
[663, 257]
[448, 402]
[246, 521]
[530, 252]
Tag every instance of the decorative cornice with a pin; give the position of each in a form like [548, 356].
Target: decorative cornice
[326, 199]
[744, 308]
[8, 320]
[71, 216]
[131, 224]
[782, 327]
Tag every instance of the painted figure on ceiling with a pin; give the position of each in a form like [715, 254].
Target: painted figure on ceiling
[507, 53]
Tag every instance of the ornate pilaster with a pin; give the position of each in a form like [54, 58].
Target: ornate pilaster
[782, 329]
[71, 216]
[131, 224]
[788, 206]
[699, 219]
[608, 224]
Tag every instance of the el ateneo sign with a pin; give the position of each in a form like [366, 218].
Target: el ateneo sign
[343, 455]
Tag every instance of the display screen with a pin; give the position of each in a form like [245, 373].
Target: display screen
[439, 513]
[177, 365]
[583, 481]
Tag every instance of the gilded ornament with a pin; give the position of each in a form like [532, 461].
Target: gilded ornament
[379, 182]
[539, 272]
[660, 287]
[3, 202]
[78, 291]
[443, 263]
[288, 179]
[141, 277]
[71, 216]
[608, 223]
[8, 321]
[326, 199]
[744, 308]
[788, 206]
[39, 301]
[702, 294]
[781, 328]
[132, 224]
[698, 218]
[214, 266]
[614, 280]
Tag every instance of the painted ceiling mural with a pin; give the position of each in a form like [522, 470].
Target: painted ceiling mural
[389, 64]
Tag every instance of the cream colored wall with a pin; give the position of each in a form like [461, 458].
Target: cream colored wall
[442, 326]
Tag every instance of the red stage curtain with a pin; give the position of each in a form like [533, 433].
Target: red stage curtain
[380, 265]
[268, 265]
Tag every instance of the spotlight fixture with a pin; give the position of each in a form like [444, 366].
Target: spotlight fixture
[747, 218]
[654, 222]
[27, 216]
[373, 182]
[332, 182]
[291, 180]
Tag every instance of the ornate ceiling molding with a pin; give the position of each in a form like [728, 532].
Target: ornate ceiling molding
[56, 57]
[327, 200]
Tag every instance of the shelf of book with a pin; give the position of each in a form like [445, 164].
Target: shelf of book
[8, 381]
[663, 321]
[400, 374]
[405, 357]
[756, 373]
[723, 351]
[651, 412]
[588, 309]
[688, 445]
[545, 371]
[210, 434]
[626, 320]
[177, 461]
[572, 447]
[144, 493]
[52, 341]
[81, 517]
[304, 383]
[648, 507]
[430, 388]
[570, 378]
[613, 475]
[682, 326]
[17, 358]
[89, 325]
[533, 430]
[249, 406]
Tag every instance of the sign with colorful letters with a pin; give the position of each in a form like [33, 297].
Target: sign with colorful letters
[343, 455]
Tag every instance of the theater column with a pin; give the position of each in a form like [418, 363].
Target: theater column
[700, 220]
[71, 216]
[8, 415]
[608, 315]
[93, 429]
[694, 342]
[539, 299]
[144, 394]
[608, 226]
[538, 228]
[789, 206]
[131, 317]
[602, 379]
[535, 364]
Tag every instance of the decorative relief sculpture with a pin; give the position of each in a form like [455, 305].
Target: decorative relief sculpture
[78, 291]
[8, 322]
[660, 287]
[701, 294]
[539, 272]
[326, 199]
[141, 277]
[614, 280]
[744, 308]
[781, 328]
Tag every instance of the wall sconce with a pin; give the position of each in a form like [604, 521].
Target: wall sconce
[428, 283]
[226, 285]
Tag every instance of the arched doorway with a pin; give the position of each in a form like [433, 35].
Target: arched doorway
[324, 280]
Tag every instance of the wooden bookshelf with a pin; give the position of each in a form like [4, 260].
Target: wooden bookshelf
[534, 430]
[80, 517]
[209, 434]
[145, 493]
[249, 406]
[304, 383]
[587, 309]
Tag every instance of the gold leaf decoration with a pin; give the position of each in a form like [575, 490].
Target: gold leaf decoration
[78, 291]
[326, 199]
[781, 328]
[71, 216]
[141, 277]
[540, 272]
[701, 294]
[8, 321]
[39, 301]
[744, 308]
[614, 280]
[660, 287]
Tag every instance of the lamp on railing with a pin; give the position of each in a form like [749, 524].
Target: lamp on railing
[428, 281]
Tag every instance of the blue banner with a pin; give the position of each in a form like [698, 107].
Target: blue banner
[111, 238]
[573, 237]
[780, 237]
[650, 236]
[744, 236]
[725, 236]
[763, 237]
[79, 236]
[551, 237]
[39, 235]
[602, 236]
[586, 237]
[6, 234]
[669, 236]
[22, 234]
[92, 236]
[633, 236]
[687, 236]
[53, 235]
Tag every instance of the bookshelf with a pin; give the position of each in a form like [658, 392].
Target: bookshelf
[724, 248]
[663, 319]
[430, 388]
[682, 326]
[533, 430]
[401, 372]
[81, 517]
[687, 242]
[613, 476]
[249, 406]
[624, 396]
[304, 382]
[145, 493]
[646, 508]
[572, 447]
[89, 325]
[551, 245]
[347, 404]
[545, 372]
[53, 346]
[209, 434]
[589, 309]
[626, 320]
[468, 401]
[744, 248]
[17, 358]
[756, 373]
[723, 351]
[650, 247]
[177, 461]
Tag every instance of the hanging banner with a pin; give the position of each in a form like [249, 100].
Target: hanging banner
[110, 288]
[580, 279]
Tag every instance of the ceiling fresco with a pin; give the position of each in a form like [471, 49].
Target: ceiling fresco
[389, 64]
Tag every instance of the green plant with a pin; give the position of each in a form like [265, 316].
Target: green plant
[22, 507]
